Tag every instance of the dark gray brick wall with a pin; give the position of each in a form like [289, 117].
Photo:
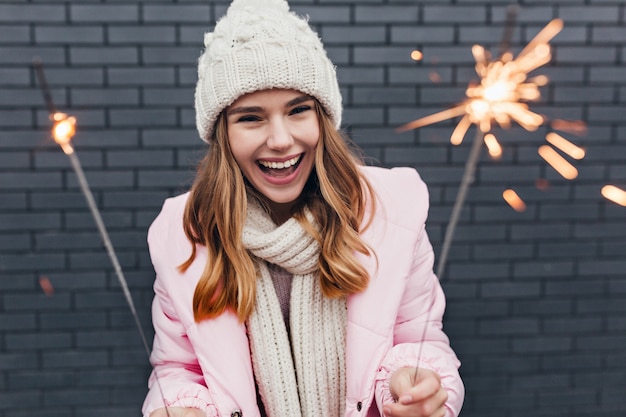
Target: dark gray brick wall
[536, 300]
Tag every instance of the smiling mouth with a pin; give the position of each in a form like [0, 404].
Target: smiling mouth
[272, 166]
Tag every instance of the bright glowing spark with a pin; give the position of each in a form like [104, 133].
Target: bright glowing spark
[494, 148]
[514, 200]
[614, 194]
[503, 91]
[556, 161]
[565, 145]
[417, 55]
[63, 130]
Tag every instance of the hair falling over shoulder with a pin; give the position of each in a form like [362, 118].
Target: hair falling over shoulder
[336, 194]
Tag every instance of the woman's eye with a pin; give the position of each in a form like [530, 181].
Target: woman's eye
[248, 118]
[299, 109]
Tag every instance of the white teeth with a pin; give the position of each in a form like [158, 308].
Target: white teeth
[280, 165]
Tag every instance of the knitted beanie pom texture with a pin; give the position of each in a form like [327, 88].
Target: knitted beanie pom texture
[259, 45]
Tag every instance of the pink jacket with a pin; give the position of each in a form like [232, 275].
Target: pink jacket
[207, 365]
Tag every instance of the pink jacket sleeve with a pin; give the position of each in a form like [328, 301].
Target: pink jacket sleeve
[420, 314]
[176, 379]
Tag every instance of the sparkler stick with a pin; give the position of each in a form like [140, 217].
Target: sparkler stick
[63, 131]
[500, 97]
[466, 181]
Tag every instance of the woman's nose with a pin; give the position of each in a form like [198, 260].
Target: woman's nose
[279, 136]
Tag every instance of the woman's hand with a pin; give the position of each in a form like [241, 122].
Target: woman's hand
[177, 412]
[416, 397]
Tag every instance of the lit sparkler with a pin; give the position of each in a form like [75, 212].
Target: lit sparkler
[500, 98]
[63, 130]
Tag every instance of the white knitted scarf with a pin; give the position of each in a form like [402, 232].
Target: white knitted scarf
[316, 384]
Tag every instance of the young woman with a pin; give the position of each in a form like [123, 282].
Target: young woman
[292, 280]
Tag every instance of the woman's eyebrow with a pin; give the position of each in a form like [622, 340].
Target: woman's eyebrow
[249, 109]
[298, 100]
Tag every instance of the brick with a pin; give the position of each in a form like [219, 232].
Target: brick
[510, 326]
[583, 94]
[65, 281]
[322, 14]
[141, 76]
[74, 397]
[109, 339]
[102, 377]
[14, 118]
[544, 307]
[543, 380]
[502, 252]
[455, 14]
[605, 230]
[362, 116]
[168, 97]
[543, 344]
[134, 199]
[143, 117]
[103, 13]
[11, 242]
[601, 305]
[112, 219]
[38, 340]
[14, 77]
[142, 34]
[602, 267]
[484, 271]
[171, 55]
[68, 34]
[19, 322]
[16, 400]
[381, 55]
[36, 13]
[403, 155]
[572, 361]
[353, 34]
[585, 54]
[596, 14]
[441, 95]
[29, 221]
[15, 34]
[422, 34]
[106, 96]
[200, 13]
[153, 178]
[41, 379]
[74, 358]
[68, 77]
[419, 75]
[378, 14]
[104, 55]
[510, 289]
[579, 249]
[538, 231]
[529, 13]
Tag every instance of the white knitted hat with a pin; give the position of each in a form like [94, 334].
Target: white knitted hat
[258, 45]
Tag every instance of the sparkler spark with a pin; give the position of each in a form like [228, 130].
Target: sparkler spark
[514, 200]
[614, 194]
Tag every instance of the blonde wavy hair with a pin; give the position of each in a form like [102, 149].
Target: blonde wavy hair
[336, 194]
